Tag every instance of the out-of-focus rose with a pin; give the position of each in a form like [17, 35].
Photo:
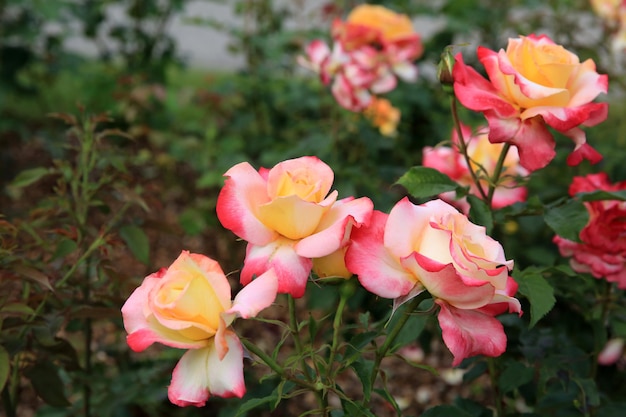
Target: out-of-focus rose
[612, 352]
[432, 247]
[188, 306]
[602, 250]
[370, 49]
[535, 83]
[484, 156]
[288, 217]
[383, 115]
[608, 10]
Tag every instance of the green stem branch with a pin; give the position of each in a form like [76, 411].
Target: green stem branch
[463, 147]
[381, 353]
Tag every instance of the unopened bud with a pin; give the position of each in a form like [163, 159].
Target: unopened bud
[444, 68]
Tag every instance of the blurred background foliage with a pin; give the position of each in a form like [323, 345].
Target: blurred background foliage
[171, 131]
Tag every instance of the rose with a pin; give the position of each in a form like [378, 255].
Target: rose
[532, 84]
[383, 115]
[288, 217]
[371, 48]
[484, 156]
[372, 25]
[432, 247]
[188, 306]
[602, 250]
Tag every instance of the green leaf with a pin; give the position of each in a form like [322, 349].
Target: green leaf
[363, 369]
[567, 220]
[445, 411]
[603, 195]
[423, 182]
[46, 381]
[26, 178]
[514, 376]
[538, 291]
[354, 409]
[137, 242]
[5, 367]
[480, 212]
[16, 308]
[64, 248]
[284, 387]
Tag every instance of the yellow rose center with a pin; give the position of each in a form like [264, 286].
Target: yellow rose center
[300, 184]
[190, 298]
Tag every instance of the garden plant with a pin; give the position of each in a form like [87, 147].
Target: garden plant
[364, 220]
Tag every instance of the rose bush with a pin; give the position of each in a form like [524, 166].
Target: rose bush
[188, 306]
[288, 217]
[484, 157]
[602, 247]
[533, 84]
[432, 247]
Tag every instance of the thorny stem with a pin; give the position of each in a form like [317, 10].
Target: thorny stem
[493, 376]
[391, 337]
[295, 333]
[345, 294]
[495, 178]
[463, 147]
[274, 366]
[606, 299]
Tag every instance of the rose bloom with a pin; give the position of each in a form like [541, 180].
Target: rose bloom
[484, 156]
[602, 250]
[432, 247]
[288, 217]
[188, 306]
[370, 49]
[535, 83]
[383, 115]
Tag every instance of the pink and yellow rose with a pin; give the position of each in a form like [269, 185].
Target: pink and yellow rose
[534, 84]
[484, 156]
[432, 247]
[370, 49]
[188, 306]
[288, 216]
[602, 249]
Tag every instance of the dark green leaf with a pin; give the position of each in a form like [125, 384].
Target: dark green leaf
[5, 367]
[363, 369]
[604, 195]
[46, 381]
[26, 178]
[64, 248]
[538, 291]
[568, 219]
[137, 242]
[423, 182]
[480, 212]
[354, 409]
[514, 376]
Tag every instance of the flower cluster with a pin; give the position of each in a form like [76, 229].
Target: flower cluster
[534, 84]
[483, 159]
[613, 13]
[372, 47]
[602, 247]
[188, 306]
